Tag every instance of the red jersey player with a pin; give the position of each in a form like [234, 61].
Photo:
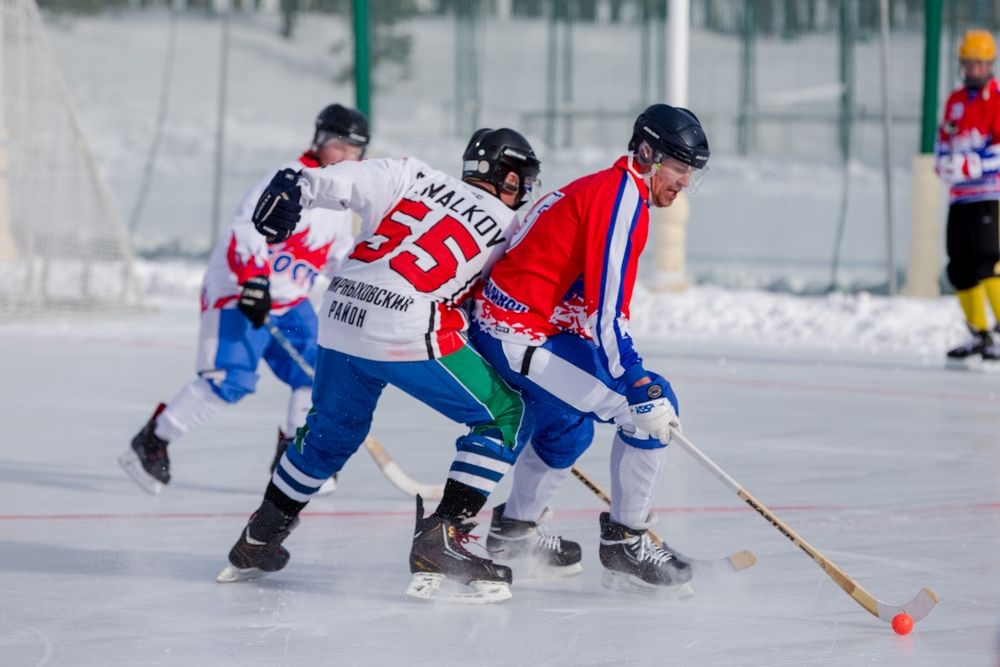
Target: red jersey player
[968, 160]
[553, 319]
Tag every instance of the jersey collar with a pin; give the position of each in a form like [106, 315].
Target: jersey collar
[623, 164]
[308, 159]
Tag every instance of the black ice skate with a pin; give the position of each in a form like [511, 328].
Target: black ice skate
[259, 550]
[632, 562]
[439, 553]
[146, 461]
[979, 348]
[550, 555]
[991, 353]
[329, 486]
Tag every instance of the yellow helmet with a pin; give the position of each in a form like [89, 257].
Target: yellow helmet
[977, 45]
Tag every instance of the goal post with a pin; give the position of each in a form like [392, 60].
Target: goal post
[63, 241]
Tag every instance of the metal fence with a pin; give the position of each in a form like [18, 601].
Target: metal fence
[789, 92]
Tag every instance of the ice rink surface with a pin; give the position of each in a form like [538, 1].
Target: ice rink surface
[886, 464]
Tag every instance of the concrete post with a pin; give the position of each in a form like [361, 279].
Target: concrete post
[671, 224]
[924, 266]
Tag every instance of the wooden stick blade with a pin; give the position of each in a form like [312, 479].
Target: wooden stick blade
[917, 608]
[743, 560]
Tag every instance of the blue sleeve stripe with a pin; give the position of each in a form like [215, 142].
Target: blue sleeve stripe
[611, 344]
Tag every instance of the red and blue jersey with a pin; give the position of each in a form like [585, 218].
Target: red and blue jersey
[971, 130]
[572, 267]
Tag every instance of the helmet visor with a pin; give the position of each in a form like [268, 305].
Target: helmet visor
[688, 177]
[651, 161]
[324, 137]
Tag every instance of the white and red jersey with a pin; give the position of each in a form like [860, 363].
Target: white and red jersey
[572, 267]
[426, 241]
[321, 240]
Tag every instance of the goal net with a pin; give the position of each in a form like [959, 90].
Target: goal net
[63, 244]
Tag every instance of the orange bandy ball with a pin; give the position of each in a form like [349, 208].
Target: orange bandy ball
[902, 624]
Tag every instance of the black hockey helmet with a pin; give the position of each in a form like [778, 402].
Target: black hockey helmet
[665, 131]
[504, 159]
[341, 123]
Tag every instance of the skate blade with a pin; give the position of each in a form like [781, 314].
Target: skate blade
[329, 486]
[533, 571]
[233, 573]
[620, 581]
[967, 364]
[130, 462]
[991, 366]
[426, 586]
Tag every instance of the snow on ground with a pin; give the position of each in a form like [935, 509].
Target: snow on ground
[859, 322]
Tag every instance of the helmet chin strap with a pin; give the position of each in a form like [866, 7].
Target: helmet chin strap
[646, 177]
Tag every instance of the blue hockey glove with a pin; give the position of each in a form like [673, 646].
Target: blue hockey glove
[278, 209]
[654, 408]
[255, 302]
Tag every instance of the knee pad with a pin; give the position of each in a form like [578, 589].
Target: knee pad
[232, 384]
[628, 433]
[560, 438]
[564, 452]
[488, 447]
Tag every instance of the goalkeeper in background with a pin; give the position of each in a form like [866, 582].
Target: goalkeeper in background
[968, 160]
[250, 281]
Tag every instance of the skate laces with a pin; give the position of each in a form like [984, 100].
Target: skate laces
[645, 550]
[460, 539]
[546, 541]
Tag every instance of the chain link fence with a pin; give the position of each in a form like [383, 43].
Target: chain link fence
[789, 92]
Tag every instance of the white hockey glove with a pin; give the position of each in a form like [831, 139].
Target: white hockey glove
[653, 408]
[960, 167]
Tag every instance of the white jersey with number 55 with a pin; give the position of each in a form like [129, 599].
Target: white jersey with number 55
[426, 241]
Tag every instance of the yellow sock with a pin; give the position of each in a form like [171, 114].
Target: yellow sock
[973, 302]
[992, 286]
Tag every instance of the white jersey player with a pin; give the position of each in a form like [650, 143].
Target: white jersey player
[392, 315]
[250, 281]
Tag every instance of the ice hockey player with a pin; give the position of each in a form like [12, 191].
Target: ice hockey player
[392, 316]
[553, 320]
[968, 159]
[250, 281]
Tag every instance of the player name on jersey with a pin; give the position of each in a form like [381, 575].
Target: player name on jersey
[427, 239]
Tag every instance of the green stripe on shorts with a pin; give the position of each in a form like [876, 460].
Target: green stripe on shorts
[502, 402]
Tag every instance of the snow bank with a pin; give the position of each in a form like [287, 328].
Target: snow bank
[860, 322]
[835, 322]
[173, 279]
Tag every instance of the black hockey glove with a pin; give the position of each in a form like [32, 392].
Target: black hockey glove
[255, 302]
[278, 209]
